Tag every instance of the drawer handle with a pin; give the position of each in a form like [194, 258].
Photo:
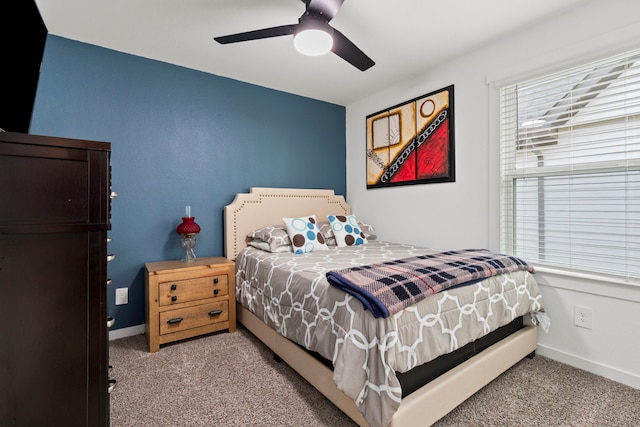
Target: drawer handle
[215, 312]
[174, 320]
[174, 298]
[215, 280]
[174, 286]
[216, 291]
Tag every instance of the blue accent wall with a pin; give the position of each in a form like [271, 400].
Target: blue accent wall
[180, 137]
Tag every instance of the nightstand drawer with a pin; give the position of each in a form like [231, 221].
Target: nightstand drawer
[180, 291]
[193, 317]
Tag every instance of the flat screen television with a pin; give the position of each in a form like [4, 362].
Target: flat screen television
[22, 38]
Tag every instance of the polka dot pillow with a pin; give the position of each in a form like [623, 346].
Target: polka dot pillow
[305, 234]
[347, 230]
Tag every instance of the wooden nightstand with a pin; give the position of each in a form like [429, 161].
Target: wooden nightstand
[186, 300]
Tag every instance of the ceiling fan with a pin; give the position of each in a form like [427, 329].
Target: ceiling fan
[312, 28]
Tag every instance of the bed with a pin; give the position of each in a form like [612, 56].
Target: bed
[378, 371]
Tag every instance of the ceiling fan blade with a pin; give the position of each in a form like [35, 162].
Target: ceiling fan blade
[345, 49]
[265, 33]
[327, 8]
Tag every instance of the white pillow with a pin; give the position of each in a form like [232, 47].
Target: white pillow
[347, 230]
[305, 234]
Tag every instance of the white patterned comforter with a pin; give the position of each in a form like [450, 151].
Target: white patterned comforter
[290, 293]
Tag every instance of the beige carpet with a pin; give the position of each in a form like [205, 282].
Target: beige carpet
[232, 380]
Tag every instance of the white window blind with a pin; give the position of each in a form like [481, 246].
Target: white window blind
[570, 168]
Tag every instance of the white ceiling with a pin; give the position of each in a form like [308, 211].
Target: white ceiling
[403, 37]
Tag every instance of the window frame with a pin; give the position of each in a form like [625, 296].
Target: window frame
[507, 187]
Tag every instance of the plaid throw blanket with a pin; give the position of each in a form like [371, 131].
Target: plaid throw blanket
[388, 287]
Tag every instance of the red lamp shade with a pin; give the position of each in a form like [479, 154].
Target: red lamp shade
[188, 227]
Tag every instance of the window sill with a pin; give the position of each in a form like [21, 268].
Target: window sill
[603, 285]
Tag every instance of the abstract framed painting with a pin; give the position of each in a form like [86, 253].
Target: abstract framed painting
[412, 142]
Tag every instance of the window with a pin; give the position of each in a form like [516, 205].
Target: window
[570, 168]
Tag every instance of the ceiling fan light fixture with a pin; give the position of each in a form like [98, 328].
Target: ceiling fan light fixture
[313, 42]
[313, 35]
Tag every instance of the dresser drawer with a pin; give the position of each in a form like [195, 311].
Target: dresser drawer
[192, 317]
[180, 291]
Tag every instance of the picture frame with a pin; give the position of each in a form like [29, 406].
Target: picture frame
[412, 142]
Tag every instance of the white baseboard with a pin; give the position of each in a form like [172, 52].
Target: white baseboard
[614, 374]
[126, 332]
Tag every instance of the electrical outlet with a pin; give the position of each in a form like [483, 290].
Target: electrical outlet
[122, 296]
[583, 317]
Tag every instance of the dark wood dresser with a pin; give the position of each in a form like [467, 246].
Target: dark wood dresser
[54, 217]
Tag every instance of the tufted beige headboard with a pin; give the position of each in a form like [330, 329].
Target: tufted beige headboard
[264, 206]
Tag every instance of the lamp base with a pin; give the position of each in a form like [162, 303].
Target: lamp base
[188, 243]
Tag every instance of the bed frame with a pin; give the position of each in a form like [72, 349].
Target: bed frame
[266, 206]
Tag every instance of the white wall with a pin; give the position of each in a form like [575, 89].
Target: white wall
[466, 213]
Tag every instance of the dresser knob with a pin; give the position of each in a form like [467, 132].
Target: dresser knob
[174, 287]
[215, 280]
[174, 298]
[216, 291]
[215, 312]
[174, 320]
